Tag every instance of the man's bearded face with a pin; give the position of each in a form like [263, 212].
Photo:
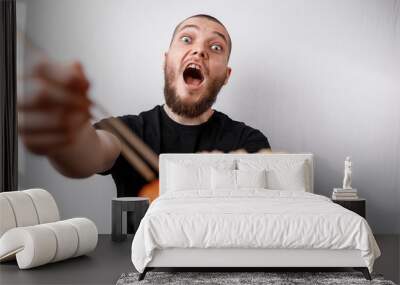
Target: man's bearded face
[196, 67]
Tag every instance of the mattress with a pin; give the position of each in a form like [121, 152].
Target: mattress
[251, 219]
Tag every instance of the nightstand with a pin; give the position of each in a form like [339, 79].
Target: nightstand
[132, 205]
[357, 205]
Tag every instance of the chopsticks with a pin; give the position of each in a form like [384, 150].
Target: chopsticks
[132, 147]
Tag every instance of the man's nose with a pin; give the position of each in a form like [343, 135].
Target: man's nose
[199, 52]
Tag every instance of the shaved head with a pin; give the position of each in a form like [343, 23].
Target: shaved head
[208, 17]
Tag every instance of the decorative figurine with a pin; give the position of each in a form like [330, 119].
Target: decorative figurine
[347, 174]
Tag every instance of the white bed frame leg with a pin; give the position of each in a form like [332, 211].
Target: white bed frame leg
[143, 274]
[364, 271]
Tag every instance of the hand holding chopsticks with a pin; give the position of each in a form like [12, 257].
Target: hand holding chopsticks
[55, 106]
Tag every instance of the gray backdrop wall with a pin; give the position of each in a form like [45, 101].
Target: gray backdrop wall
[314, 76]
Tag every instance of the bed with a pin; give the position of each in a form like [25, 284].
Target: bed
[247, 211]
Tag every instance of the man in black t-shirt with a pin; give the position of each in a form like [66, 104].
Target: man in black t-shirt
[164, 135]
[56, 121]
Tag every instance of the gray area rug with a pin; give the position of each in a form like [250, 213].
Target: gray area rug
[230, 278]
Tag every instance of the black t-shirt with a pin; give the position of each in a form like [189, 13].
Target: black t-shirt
[164, 135]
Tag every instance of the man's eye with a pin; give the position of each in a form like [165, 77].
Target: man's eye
[186, 39]
[216, 47]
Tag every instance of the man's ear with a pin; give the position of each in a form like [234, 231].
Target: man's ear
[228, 74]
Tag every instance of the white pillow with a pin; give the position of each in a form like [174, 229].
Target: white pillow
[251, 178]
[282, 174]
[188, 175]
[223, 179]
[288, 179]
[236, 179]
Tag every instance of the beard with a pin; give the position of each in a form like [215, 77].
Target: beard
[192, 109]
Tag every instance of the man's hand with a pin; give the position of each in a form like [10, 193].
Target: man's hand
[53, 119]
[53, 107]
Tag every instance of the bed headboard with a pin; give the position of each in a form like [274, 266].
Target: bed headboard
[210, 157]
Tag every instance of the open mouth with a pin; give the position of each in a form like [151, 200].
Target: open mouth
[192, 75]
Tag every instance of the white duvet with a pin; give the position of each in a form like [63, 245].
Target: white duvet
[250, 218]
